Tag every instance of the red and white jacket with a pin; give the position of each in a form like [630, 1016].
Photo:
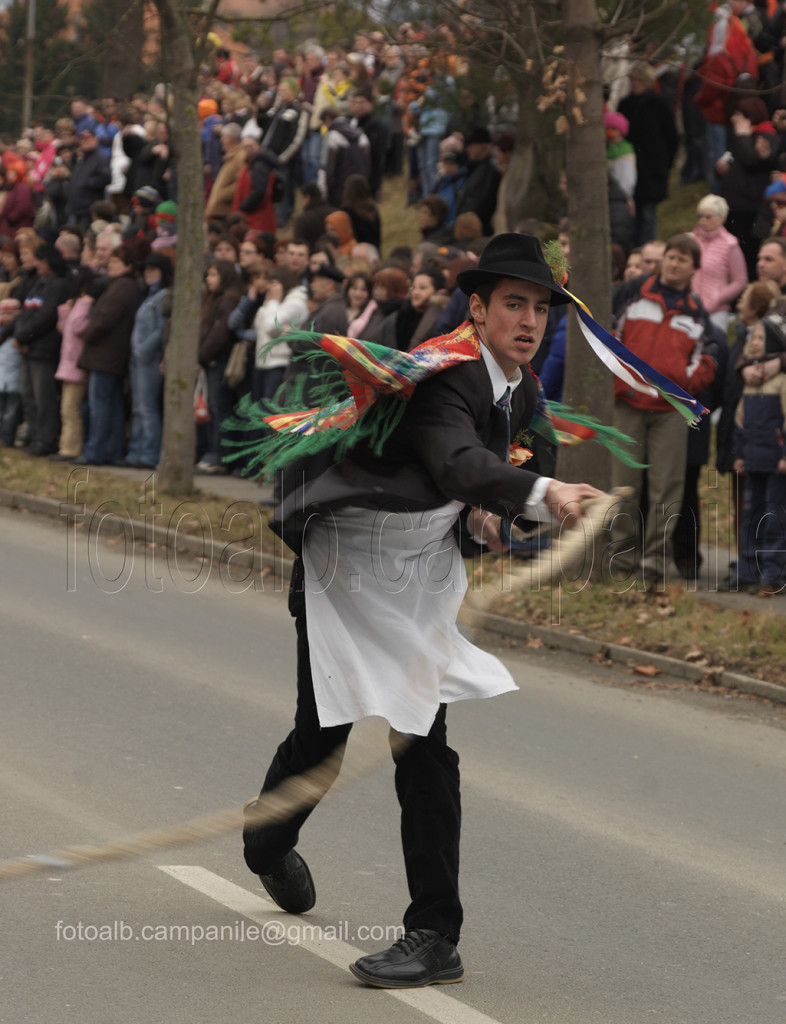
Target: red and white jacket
[676, 342]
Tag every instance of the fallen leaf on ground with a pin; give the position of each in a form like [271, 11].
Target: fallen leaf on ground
[645, 670]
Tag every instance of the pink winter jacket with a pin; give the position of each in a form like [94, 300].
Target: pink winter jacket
[723, 274]
[72, 320]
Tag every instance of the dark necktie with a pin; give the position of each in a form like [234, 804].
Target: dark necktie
[504, 404]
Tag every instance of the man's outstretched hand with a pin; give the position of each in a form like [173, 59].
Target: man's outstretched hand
[564, 500]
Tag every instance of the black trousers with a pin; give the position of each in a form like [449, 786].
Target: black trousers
[427, 786]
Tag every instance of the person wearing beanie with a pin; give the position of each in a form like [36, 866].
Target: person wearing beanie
[165, 219]
[620, 155]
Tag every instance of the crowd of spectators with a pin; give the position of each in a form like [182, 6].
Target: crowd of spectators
[296, 149]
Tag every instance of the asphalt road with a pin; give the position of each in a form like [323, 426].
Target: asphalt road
[623, 854]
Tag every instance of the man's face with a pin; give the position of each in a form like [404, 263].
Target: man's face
[771, 264]
[651, 257]
[637, 86]
[251, 148]
[87, 143]
[285, 93]
[359, 106]
[317, 260]
[248, 256]
[103, 251]
[477, 151]
[513, 323]
[228, 142]
[312, 62]
[677, 269]
[297, 258]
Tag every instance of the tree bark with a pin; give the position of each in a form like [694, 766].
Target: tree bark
[588, 385]
[176, 467]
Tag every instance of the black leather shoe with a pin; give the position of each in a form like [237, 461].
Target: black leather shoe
[291, 885]
[421, 957]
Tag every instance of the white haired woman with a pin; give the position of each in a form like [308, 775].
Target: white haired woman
[723, 274]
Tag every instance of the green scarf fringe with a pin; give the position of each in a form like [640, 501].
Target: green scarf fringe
[611, 438]
[321, 385]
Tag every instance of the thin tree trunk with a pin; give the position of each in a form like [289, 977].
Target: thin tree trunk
[177, 453]
[588, 384]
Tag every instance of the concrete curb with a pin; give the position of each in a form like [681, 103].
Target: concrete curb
[551, 637]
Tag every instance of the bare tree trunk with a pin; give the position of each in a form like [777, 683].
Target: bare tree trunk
[588, 384]
[177, 453]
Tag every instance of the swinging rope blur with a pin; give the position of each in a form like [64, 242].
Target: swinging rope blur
[568, 553]
[296, 794]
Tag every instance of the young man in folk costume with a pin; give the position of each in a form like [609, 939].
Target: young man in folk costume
[368, 645]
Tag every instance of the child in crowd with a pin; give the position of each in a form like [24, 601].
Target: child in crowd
[760, 452]
[10, 377]
[72, 320]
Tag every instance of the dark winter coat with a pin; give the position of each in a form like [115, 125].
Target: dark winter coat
[36, 325]
[89, 177]
[653, 134]
[215, 336]
[758, 436]
[748, 175]
[346, 151]
[108, 334]
[310, 224]
[479, 192]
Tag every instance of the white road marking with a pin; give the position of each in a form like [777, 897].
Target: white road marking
[433, 1002]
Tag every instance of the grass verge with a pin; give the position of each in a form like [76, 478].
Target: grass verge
[677, 622]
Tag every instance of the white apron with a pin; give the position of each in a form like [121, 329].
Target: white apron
[382, 594]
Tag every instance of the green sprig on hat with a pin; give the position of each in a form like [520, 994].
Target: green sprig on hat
[558, 264]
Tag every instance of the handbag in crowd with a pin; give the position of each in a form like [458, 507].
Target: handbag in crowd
[235, 371]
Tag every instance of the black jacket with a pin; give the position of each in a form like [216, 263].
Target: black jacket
[36, 325]
[451, 443]
[89, 178]
[653, 134]
[479, 192]
[107, 336]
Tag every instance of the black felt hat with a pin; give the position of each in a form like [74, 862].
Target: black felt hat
[516, 256]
